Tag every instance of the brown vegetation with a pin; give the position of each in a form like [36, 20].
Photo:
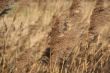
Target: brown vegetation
[55, 36]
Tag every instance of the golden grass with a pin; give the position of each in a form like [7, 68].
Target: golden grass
[56, 36]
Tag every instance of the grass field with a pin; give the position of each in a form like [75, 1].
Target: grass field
[55, 36]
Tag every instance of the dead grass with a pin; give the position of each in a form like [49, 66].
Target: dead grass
[56, 36]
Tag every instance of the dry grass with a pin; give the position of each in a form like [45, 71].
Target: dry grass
[55, 36]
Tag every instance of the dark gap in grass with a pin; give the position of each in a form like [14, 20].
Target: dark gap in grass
[5, 11]
[46, 56]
